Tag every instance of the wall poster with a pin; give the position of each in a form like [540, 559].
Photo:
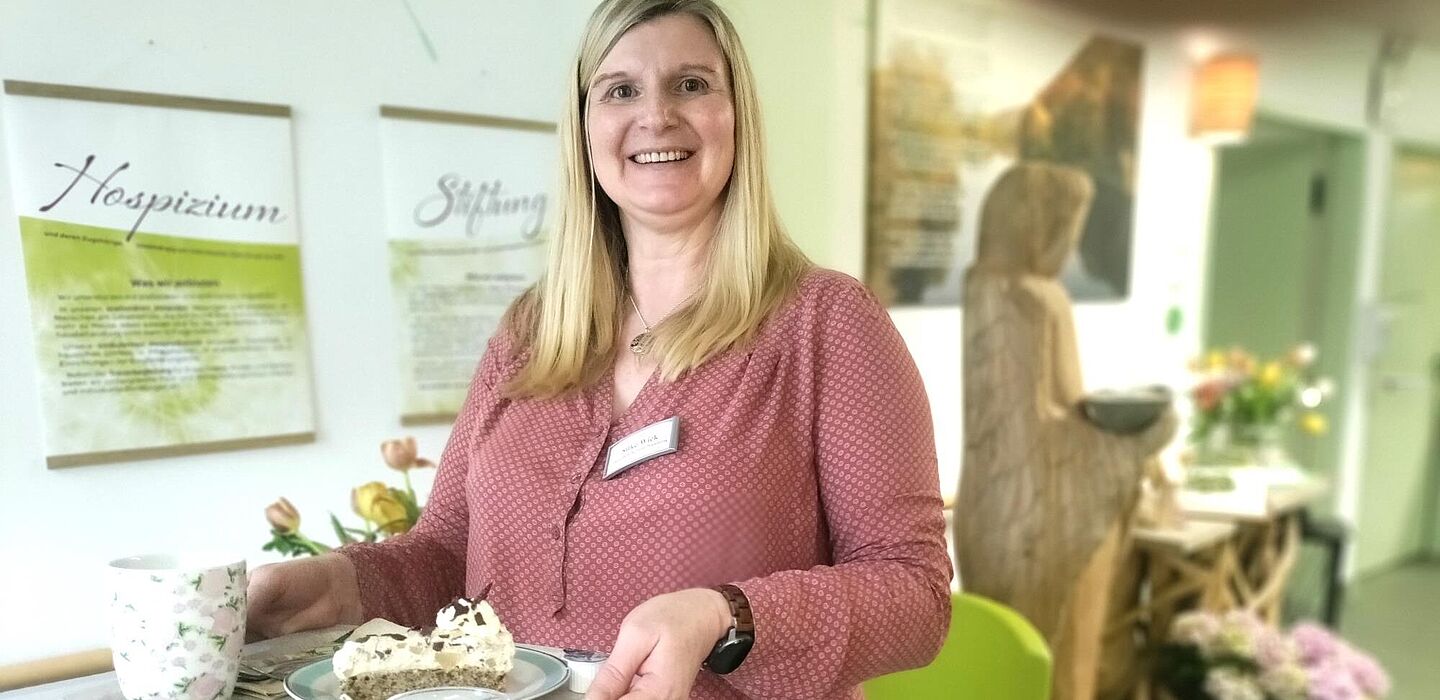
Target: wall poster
[466, 203]
[961, 92]
[162, 261]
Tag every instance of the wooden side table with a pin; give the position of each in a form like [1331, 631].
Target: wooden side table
[1165, 572]
[1266, 547]
[1215, 561]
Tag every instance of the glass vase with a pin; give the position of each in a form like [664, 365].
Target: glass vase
[1263, 444]
[1244, 444]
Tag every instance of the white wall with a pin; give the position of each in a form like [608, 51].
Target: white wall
[334, 64]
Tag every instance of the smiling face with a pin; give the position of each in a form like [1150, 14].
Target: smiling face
[661, 123]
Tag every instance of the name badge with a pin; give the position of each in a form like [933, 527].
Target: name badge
[644, 444]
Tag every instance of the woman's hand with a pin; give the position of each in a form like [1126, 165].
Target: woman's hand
[299, 595]
[661, 645]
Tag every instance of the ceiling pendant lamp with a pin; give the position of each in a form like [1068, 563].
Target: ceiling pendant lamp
[1222, 105]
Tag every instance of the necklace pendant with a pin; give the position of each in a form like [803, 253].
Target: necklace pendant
[640, 344]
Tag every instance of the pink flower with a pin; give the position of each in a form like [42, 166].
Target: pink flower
[1331, 680]
[1209, 394]
[224, 621]
[1368, 674]
[1315, 643]
[206, 687]
[283, 516]
[401, 454]
[1274, 650]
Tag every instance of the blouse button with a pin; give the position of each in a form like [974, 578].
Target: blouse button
[577, 478]
[555, 532]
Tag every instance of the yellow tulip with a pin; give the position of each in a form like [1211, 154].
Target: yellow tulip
[1314, 423]
[1215, 360]
[1272, 373]
[375, 503]
[283, 516]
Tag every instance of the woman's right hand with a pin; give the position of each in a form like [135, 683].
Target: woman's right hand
[304, 594]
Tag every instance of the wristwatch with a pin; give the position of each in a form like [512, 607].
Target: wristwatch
[730, 651]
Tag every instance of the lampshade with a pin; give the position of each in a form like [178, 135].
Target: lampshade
[1223, 103]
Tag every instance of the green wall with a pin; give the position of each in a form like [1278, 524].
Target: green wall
[1281, 270]
[1335, 288]
[1258, 255]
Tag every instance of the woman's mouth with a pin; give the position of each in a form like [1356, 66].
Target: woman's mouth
[649, 157]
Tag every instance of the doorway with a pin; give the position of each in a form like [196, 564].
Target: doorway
[1396, 521]
[1284, 237]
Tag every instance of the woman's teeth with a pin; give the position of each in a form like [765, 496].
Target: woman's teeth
[660, 157]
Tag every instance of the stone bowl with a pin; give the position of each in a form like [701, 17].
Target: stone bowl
[1126, 411]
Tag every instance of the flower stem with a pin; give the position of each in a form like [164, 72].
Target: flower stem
[314, 547]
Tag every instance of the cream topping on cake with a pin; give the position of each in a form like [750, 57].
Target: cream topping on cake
[467, 633]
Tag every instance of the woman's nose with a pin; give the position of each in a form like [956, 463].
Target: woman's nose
[659, 111]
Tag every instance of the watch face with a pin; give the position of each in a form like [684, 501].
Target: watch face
[728, 654]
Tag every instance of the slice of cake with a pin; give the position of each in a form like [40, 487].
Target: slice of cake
[468, 648]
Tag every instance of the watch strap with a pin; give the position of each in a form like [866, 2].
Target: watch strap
[732, 648]
[742, 619]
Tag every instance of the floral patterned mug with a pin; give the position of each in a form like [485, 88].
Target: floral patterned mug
[177, 623]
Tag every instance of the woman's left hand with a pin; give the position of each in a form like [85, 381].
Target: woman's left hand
[661, 645]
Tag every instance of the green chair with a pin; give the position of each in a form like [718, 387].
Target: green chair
[992, 653]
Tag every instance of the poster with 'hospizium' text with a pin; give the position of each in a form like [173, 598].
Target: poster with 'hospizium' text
[466, 199]
[162, 260]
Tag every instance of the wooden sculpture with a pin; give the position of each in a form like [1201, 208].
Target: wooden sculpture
[1044, 496]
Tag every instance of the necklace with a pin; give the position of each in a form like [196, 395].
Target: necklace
[640, 344]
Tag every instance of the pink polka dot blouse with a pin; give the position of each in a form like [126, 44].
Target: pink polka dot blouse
[805, 474]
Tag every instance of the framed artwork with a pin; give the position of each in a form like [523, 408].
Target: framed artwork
[960, 93]
[466, 202]
[162, 261]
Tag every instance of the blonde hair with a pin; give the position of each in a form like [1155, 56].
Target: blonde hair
[569, 321]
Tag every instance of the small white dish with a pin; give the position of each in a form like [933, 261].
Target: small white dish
[583, 667]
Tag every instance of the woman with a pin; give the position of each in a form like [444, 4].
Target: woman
[803, 481]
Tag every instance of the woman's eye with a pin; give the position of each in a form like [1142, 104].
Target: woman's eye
[692, 85]
[622, 92]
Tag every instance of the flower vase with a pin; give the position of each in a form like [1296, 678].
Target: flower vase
[1244, 445]
[1262, 444]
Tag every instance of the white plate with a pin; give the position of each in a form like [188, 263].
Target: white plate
[535, 674]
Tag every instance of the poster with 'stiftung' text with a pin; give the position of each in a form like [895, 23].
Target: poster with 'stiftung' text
[466, 203]
[162, 261]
